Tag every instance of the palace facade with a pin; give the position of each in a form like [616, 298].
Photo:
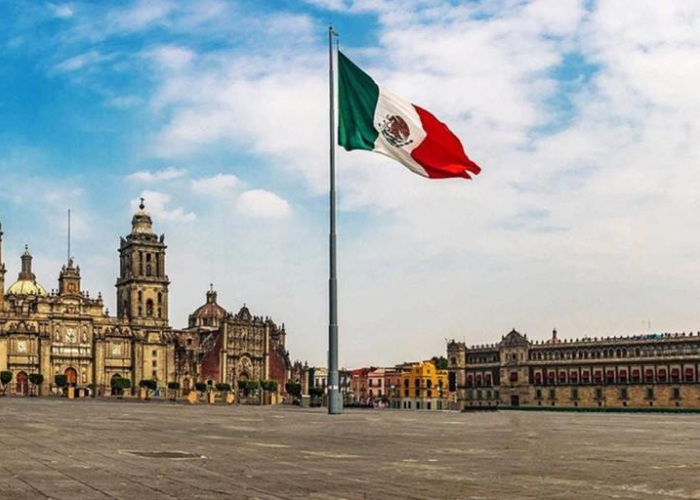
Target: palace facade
[67, 332]
[643, 371]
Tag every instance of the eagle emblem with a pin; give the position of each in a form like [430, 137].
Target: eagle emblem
[395, 130]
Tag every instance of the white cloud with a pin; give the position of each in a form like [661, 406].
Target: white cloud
[170, 57]
[62, 11]
[164, 174]
[218, 185]
[124, 102]
[261, 203]
[142, 14]
[82, 61]
[157, 204]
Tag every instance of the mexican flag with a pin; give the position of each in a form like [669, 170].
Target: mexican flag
[374, 119]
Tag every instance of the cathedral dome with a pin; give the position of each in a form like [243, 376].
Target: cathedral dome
[26, 281]
[26, 287]
[210, 314]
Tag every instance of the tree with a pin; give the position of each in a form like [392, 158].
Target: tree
[5, 378]
[36, 379]
[440, 362]
[248, 387]
[150, 385]
[223, 387]
[293, 388]
[120, 384]
[269, 385]
[174, 387]
[61, 381]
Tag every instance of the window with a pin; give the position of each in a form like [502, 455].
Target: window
[155, 374]
[149, 308]
[154, 363]
[513, 376]
[154, 353]
[552, 394]
[623, 393]
[599, 393]
[538, 394]
[148, 269]
[676, 393]
[650, 393]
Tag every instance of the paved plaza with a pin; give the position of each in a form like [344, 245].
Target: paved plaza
[58, 449]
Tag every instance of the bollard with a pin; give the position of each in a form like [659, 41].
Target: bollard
[211, 396]
[71, 393]
[193, 398]
[230, 398]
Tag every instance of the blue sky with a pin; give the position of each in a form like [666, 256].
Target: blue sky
[582, 115]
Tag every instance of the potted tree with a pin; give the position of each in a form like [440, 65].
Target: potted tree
[316, 394]
[5, 378]
[119, 385]
[269, 388]
[61, 382]
[294, 390]
[147, 385]
[224, 389]
[173, 387]
[36, 379]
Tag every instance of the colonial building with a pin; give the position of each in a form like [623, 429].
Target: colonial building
[424, 387]
[222, 347]
[66, 332]
[642, 371]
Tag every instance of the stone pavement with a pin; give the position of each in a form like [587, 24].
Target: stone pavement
[100, 449]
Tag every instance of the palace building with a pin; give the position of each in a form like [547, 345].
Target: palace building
[67, 332]
[642, 371]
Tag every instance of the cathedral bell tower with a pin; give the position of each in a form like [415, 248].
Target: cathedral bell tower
[69, 279]
[142, 286]
[2, 274]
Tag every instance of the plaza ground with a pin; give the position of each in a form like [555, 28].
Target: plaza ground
[97, 449]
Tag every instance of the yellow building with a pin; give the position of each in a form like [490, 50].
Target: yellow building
[423, 387]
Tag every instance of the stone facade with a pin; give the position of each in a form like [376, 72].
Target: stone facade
[643, 371]
[66, 332]
[222, 347]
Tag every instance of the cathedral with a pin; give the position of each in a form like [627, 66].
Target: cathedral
[67, 332]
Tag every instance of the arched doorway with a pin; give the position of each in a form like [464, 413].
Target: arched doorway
[22, 383]
[186, 387]
[71, 377]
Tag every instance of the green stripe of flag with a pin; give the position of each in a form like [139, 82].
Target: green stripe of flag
[357, 100]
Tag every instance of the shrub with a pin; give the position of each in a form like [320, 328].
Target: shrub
[316, 391]
[61, 380]
[293, 388]
[200, 386]
[223, 387]
[121, 384]
[36, 378]
[269, 385]
[174, 386]
[149, 384]
[248, 386]
[5, 378]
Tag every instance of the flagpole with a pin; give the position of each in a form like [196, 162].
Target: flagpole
[335, 404]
